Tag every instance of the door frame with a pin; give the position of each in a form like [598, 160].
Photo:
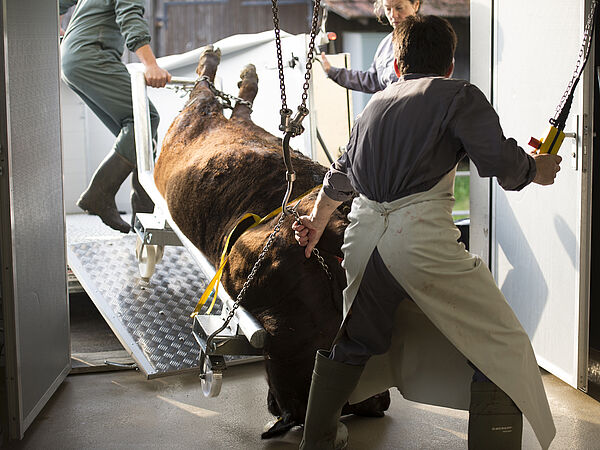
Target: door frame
[32, 252]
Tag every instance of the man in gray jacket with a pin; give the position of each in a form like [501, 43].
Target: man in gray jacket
[401, 242]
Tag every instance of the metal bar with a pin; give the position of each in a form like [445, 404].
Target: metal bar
[324, 147]
[250, 327]
[464, 212]
[185, 81]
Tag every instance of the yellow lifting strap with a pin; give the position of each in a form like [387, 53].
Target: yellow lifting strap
[247, 222]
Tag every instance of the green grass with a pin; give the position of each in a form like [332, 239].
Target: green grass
[461, 194]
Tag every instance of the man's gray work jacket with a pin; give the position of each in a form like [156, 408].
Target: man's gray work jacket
[110, 24]
[415, 131]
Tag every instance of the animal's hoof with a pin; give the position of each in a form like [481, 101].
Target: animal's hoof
[371, 407]
[279, 426]
[249, 72]
[209, 61]
[248, 75]
[209, 52]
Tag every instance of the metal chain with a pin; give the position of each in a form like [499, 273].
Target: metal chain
[249, 280]
[225, 97]
[279, 53]
[315, 250]
[311, 49]
[255, 268]
[186, 89]
[294, 126]
[581, 58]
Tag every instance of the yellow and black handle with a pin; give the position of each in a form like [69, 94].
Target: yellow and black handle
[551, 144]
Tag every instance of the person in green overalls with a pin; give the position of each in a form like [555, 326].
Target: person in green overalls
[91, 52]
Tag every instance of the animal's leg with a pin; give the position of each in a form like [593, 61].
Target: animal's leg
[208, 63]
[248, 88]
[202, 99]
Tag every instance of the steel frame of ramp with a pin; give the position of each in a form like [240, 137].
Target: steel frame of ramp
[151, 318]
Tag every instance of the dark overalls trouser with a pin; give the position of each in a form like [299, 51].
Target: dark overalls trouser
[368, 328]
[102, 81]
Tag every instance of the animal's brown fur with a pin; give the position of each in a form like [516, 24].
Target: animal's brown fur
[211, 171]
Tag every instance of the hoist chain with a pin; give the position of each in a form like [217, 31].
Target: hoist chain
[291, 128]
[311, 49]
[275, 9]
[290, 125]
[565, 102]
[249, 280]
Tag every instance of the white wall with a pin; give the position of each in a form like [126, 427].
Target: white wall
[86, 141]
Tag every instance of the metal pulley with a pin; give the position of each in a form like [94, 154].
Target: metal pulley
[286, 114]
[293, 126]
[211, 378]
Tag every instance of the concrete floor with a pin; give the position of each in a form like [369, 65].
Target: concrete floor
[123, 410]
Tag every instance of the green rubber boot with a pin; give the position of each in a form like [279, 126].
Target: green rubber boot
[99, 197]
[495, 422]
[332, 384]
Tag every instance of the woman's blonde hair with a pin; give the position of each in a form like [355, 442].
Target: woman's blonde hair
[378, 8]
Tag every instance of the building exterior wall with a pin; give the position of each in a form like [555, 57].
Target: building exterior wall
[180, 26]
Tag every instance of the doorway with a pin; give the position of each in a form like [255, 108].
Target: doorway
[594, 331]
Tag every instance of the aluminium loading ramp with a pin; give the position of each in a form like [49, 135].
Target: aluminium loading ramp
[151, 318]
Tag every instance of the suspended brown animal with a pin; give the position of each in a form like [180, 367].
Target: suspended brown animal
[211, 171]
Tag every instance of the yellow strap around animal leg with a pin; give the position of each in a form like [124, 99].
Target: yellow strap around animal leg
[214, 283]
[247, 221]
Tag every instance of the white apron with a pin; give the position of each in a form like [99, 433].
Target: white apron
[458, 313]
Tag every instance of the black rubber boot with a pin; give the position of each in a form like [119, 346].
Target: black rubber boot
[140, 200]
[495, 422]
[99, 197]
[332, 384]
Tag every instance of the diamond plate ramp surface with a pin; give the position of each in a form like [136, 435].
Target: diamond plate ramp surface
[151, 319]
